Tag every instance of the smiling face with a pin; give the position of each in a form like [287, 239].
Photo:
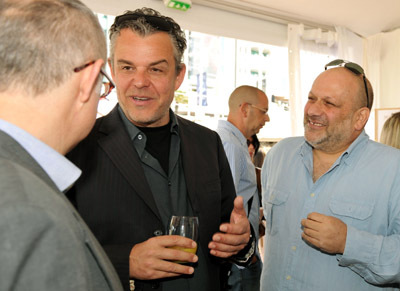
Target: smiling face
[145, 75]
[331, 120]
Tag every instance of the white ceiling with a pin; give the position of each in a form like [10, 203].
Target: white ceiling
[364, 17]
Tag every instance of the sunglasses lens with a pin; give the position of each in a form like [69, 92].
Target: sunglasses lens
[354, 68]
[334, 63]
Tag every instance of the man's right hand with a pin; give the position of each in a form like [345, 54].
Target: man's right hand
[153, 258]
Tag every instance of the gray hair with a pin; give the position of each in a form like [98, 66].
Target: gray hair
[42, 41]
[143, 28]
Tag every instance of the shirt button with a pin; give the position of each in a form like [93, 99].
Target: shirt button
[288, 277]
[140, 137]
[155, 285]
[312, 194]
[169, 183]
[158, 232]
[294, 248]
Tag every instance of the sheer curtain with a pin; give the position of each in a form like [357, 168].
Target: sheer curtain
[309, 51]
[382, 65]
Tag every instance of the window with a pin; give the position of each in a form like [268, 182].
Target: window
[215, 66]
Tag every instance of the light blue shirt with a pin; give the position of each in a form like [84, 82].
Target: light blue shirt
[60, 169]
[243, 170]
[362, 188]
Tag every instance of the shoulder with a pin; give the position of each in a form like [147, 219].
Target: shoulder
[194, 129]
[381, 153]
[289, 143]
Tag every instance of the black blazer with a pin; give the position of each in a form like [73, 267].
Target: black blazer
[115, 200]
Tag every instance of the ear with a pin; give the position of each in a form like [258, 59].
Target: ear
[89, 80]
[180, 76]
[244, 109]
[111, 68]
[362, 116]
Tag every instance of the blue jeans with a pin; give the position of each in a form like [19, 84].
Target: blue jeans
[247, 279]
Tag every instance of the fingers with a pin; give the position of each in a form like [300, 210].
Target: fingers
[157, 257]
[238, 209]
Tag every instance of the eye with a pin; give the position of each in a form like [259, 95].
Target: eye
[126, 68]
[156, 70]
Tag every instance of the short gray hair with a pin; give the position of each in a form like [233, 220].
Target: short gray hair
[143, 28]
[42, 41]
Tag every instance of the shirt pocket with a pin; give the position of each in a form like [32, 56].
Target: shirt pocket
[351, 210]
[275, 202]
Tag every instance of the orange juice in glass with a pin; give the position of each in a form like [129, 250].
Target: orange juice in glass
[187, 226]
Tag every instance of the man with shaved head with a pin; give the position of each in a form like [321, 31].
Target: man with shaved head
[248, 112]
[332, 198]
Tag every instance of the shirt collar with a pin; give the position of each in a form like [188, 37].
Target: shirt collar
[236, 132]
[137, 136]
[60, 170]
[348, 155]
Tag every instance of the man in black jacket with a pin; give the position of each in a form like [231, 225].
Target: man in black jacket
[142, 164]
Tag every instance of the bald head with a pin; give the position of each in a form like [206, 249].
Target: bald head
[248, 107]
[352, 84]
[244, 94]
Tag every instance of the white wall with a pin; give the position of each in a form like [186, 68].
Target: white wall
[390, 70]
[203, 19]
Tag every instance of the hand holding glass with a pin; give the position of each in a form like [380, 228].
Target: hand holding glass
[187, 226]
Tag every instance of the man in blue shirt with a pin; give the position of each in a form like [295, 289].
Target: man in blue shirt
[331, 198]
[248, 113]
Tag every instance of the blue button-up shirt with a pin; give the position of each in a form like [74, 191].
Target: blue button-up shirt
[243, 170]
[60, 169]
[362, 188]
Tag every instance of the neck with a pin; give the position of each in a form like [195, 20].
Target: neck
[239, 125]
[33, 116]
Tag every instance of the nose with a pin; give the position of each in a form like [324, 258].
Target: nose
[266, 118]
[140, 79]
[313, 108]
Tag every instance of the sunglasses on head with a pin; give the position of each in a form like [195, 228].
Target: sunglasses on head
[355, 68]
[155, 21]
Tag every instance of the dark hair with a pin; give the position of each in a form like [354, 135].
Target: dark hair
[146, 21]
[255, 142]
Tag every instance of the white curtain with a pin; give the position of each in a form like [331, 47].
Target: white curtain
[309, 51]
[382, 66]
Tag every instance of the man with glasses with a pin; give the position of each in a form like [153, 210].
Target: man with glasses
[248, 113]
[144, 164]
[332, 198]
[50, 79]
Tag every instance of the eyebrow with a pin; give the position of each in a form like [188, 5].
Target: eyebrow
[122, 61]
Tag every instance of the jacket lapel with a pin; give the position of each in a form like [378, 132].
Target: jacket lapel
[119, 148]
[189, 168]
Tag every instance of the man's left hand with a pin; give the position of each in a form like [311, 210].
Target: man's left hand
[327, 233]
[234, 236]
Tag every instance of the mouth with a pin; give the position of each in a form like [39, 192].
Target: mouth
[317, 124]
[141, 101]
[137, 98]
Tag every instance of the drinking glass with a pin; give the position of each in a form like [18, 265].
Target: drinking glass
[187, 226]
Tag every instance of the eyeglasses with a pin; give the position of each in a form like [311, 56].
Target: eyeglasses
[265, 111]
[355, 68]
[106, 87]
[155, 21]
